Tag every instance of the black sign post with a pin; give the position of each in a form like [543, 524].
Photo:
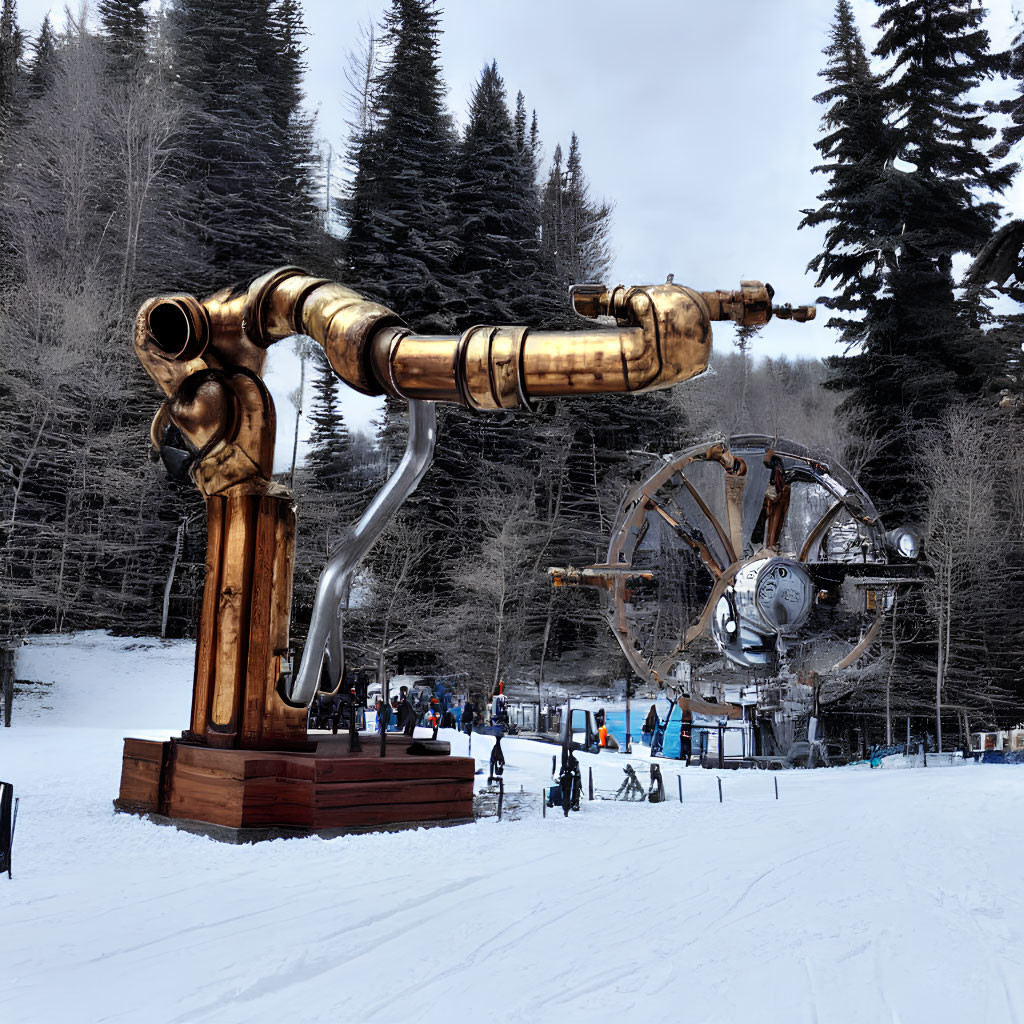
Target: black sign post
[8, 819]
[7, 681]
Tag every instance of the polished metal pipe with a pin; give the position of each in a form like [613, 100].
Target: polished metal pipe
[325, 626]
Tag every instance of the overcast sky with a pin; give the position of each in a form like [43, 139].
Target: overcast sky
[696, 120]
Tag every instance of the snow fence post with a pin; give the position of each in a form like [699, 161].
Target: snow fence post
[590, 783]
[7, 681]
[8, 802]
[776, 787]
[719, 789]
[679, 779]
[543, 804]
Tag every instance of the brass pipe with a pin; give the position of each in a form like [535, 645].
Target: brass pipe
[662, 336]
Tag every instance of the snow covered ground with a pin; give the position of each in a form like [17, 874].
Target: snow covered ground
[861, 896]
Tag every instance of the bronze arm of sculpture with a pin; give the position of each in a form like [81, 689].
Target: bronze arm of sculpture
[208, 357]
[663, 336]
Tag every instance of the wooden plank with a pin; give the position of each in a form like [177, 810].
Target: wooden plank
[233, 618]
[270, 801]
[368, 769]
[205, 797]
[144, 750]
[202, 683]
[386, 814]
[283, 726]
[140, 783]
[142, 768]
[279, 768]
[328, 745]
[228, 763]
[259, 647]
[356, 794]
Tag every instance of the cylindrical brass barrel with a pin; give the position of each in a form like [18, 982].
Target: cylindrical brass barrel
[662, 335]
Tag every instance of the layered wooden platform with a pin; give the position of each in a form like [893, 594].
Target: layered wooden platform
[325, 790]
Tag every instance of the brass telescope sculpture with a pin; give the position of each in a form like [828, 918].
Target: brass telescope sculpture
[208, 357]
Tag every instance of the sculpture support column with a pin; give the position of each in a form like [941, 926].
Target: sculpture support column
[244, 624]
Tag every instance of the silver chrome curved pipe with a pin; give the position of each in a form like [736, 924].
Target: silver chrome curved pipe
[325, 626]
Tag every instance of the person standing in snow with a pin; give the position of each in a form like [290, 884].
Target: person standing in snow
[467, 718]
[650, 725]
[685, 742]
[406, 713]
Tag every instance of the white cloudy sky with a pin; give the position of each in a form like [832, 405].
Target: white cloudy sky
[695, 119]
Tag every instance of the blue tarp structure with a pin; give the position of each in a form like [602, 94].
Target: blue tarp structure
[616, 723]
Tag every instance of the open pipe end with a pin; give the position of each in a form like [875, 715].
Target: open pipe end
[179, 326]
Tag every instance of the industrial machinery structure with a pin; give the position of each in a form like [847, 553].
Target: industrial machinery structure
[750, 566]
[246, 762]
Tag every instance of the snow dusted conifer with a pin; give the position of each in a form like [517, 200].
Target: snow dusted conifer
[574, 234]
[400, 245]
[124, 23]
[41, 69]
[238, 65]
[11, 44]
[329, 443]
[896, 228]
[293, 145]
[855, 149]
[495, 207]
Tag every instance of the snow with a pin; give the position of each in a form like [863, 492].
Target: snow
[859, 895]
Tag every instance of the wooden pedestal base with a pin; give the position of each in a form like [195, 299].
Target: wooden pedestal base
[269, 793]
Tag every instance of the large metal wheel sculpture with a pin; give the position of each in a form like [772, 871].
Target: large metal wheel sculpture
[753, 556]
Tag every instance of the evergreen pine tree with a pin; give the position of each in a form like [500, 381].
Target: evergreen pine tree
[574, 235]
[495, 206]
[894, 231]
[1013, 132]
[855, 147]
[40, 70]
[124, 23]
[400, 245]
[10, 53]
[329, 443]
[237, 64]
[294, 144]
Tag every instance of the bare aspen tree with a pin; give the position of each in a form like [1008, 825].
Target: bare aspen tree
[967, 538]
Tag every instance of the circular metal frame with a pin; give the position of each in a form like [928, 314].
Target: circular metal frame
[754, 554]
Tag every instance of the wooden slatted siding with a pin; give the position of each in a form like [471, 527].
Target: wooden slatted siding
[328, 789]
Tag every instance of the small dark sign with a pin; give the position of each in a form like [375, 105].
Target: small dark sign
[8, 817]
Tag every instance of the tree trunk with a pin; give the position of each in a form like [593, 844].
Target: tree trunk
[169, 586]
[298, 420]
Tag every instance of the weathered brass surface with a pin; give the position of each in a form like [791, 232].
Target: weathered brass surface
[662, 335]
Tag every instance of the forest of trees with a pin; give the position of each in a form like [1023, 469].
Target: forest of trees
[171, 151]
[915, 163]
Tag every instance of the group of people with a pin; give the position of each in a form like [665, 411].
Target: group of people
[403, 712]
